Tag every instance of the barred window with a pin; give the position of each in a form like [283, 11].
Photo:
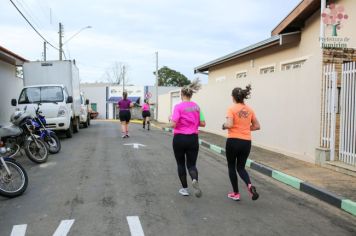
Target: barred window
[292, 65]
[267, 70]
[240, 75]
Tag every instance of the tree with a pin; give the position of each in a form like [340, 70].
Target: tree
[117, 73]
[169, 77]
[334, 15]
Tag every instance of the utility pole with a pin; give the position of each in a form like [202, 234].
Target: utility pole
[123, 78]
[60, 41]
[156, 113]
[44, 51]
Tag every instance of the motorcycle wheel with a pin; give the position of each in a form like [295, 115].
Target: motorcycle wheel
[15, 184]
[53, 144]
[37, 154]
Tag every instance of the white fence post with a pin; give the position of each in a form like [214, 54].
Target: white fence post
[328, 120]
[347, 152]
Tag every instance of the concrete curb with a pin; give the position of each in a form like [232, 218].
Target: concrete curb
[310, 189]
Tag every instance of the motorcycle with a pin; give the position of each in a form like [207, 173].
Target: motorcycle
[21, 135]
[46, 135]
[13, 177]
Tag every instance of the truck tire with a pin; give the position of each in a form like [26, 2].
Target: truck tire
[77, 125]
[69, 131]
[86, 123]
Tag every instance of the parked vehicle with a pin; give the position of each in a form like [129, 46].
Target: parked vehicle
[54, 84]
[84, 111]
[13, 177]
[20, 134]
[49, 137]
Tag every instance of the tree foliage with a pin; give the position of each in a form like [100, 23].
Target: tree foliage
[169, 77]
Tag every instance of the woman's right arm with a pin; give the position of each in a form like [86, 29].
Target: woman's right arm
[255, 125]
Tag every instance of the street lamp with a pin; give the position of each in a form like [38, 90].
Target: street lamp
[61, 36]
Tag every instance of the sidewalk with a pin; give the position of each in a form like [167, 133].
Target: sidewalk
[330, 186]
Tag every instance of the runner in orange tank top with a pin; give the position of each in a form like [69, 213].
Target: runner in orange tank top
[240, 121]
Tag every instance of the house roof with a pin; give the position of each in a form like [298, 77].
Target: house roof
[10, 57]
[296, 18]
[281, 39]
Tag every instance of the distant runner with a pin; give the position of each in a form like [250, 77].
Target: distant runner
[186, 119]
[240, 121]
[146, 114]
[125, 115]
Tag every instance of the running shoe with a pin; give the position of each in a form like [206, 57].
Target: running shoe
[127, 135]
[184, 191]
[197, 190]
[253, 193]
[234, 196]
[123, 135]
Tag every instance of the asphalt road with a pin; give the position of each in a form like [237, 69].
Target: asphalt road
[96, 183]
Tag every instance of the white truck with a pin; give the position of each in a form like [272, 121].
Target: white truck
[55, 86]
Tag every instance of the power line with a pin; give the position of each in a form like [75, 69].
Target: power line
[32, 25]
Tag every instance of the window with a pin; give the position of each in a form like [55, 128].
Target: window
[267, 70]
[242, 74]
[41, 94]
[94, 107]
[292, 65]
[220, 79]
[19, 72]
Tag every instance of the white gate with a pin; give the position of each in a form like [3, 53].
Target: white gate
[347, 151]
[328, 119]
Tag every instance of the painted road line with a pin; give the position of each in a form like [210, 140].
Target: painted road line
[287, 179]
[135, 145]
[321, 194]
[135, 226]
[18, 230]
[349, 206]
[63, 228]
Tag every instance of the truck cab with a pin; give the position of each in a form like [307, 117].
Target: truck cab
[55, 104]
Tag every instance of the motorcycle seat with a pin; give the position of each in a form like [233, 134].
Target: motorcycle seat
[8, 130]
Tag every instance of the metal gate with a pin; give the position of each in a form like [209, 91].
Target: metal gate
[347, 150]
[328, 109]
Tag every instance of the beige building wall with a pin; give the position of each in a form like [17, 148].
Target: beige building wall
[164, 109]
[10, 88]
[287, 103]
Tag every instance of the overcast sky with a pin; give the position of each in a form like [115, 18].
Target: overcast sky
[186, 33]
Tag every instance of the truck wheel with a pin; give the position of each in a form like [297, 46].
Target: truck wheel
[69, 131]
[77, 125]
[86, 123]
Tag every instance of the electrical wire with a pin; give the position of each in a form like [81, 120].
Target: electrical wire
[32, 25]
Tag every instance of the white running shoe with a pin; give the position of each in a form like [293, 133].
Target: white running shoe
[184, 191]
[197, 190]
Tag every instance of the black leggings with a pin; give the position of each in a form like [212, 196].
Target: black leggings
[186, 148]
[237, 151]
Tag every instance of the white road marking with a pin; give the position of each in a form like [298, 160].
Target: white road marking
[47, 164]
[18, 230]
[135, 145]
[135, 226]
[63, 228]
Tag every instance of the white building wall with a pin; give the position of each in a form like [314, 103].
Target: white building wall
[10, 87]
[96, 94]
